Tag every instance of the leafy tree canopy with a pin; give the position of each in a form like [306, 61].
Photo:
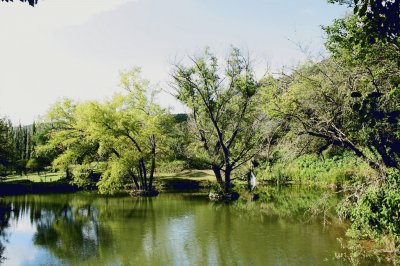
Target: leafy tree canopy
[119, 137]
[226, 110]
[31, 2]
[380, 19]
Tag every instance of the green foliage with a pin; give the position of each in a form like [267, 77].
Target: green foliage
[113, 177]
[226, 119]
[23, 141]
[380, 20]
[34, 164]
[311, 168]
[342, 42]
[119, 137]
[179, 142]
[374, 103]
[20, 166]
[376, 215]
[82, 174]
[333, 99]
[7, 155]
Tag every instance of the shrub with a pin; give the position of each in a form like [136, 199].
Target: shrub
[21, 166]
[34, 165]
[313, 168]
[376, 214]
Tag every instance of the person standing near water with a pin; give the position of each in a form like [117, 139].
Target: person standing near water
[251, 178]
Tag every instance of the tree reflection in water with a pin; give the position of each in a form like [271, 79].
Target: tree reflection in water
[72, 231]
[5, 213]
[175, 229]
[67, 228]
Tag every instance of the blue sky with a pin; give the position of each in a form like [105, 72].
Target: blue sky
[76, 48]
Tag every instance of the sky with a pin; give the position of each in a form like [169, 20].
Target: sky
[77, 48]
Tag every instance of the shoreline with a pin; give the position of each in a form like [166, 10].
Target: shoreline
[167, 185]
[29, 187]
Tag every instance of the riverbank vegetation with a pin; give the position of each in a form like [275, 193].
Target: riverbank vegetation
[331, 122]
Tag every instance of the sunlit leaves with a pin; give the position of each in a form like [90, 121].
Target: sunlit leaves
[225, 99]
[109, 137]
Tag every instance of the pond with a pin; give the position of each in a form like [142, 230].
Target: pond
[172, 229]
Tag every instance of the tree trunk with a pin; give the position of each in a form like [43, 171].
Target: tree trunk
[134, 179]
[228, 171]
[67, 174]
[348, 144]
[388, 160]
[144, 172]
[153, 161]
[140, 173]
[217, 172]
[374, 165]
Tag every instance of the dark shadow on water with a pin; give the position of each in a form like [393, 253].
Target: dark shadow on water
[28, 187]
[181, 184]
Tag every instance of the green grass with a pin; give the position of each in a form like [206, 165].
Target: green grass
[192, 174]
[186, 179]
[34, 177]
[312, 169]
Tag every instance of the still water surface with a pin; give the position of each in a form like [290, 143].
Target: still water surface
[172, 229]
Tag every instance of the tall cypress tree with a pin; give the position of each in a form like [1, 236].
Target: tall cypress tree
[33, 133]
[7, 157]
[25, 143]
[18, 141]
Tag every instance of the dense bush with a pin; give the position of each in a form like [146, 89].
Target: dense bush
[313, 168]
[376, 214]
[21, 166]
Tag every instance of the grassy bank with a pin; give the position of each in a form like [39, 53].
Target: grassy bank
[317, 170]
[186, 179]
[307, 169]
[35, 177]
[55, 182]
[32, 183]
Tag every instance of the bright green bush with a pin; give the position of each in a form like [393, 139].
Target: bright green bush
[313, 168]
[376, 215]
